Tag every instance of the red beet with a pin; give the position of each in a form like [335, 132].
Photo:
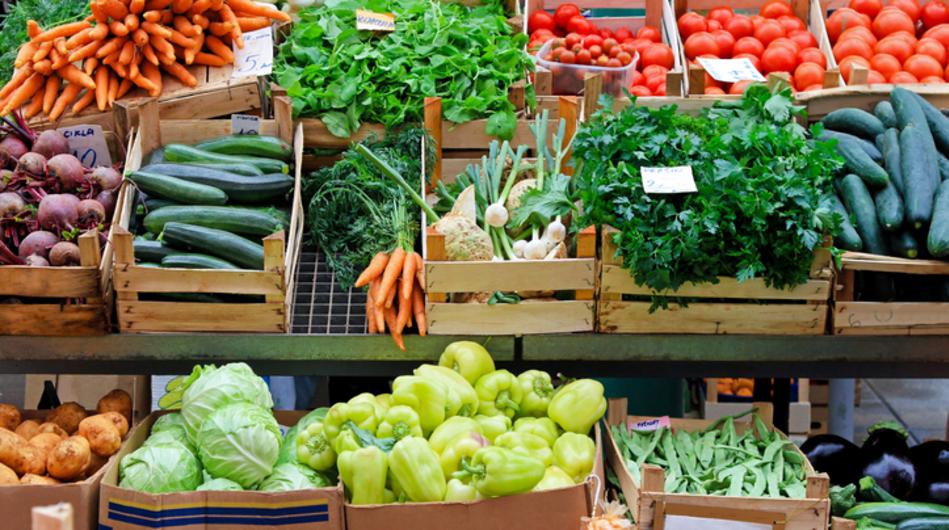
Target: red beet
[58, 212]
[32, 163]
[36, 261]
[91, 213]
[11, 204]
[105, 178]
[68, 170]
[64, 253]
[107, 200]
[11, 149]
[37, 243]
[51, 143]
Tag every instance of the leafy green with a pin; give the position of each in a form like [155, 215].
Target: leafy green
[469, 56]
[842, 498]
[763, 199]
[47, 13]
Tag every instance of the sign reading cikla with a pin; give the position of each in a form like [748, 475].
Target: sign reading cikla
[731, 70]
[371, 21]
[87, 143]
[674, 179]
[256, 57]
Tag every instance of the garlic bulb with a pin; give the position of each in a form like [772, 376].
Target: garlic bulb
[556, 231]
[496, 215]
[519, 247]
[535, 249]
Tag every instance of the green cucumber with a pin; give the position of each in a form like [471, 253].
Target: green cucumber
[186, 153]
[156, 156]
[153, 204]
[857, 198]
[195, 261]
[868, 147]
[907, 109]
[150, 251]
[272, 187]
[848, 238]
[878, 142]
[938, 123]
[233, 219]
[904, 245]
[237, 169]
[938, 240]
[176, 189]
[870, 491]
[895, 512]
[891, 157]
[249, 144]
[860, 163]
[854, 121]
[918, 184]
[884, 112]
[220, 243]
[924, 523]
[889, 206]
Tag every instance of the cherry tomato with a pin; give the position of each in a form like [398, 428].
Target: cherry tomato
[592, 40]
[622, 34]
[564, 13]
[640, 90]
[614, 63]
[606, 33]
[595, 51]
[584, 57]
[649, 32]
[541, 20]
[602, 60]
[557, 53]
[624, 58]
[609, 44]
[578, 24]
[571, 39]
[568, 57]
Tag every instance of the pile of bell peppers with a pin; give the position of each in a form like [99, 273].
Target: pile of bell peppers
[458, 431]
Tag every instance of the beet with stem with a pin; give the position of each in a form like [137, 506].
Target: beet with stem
[58, 212]
[91, 213]
[51, 143]
[105, 178]
[11, 149]
[32, 164]
[36, 261]
[11, 204]
[38, 243]
[107, 200]
[68, 170]
[64, 253]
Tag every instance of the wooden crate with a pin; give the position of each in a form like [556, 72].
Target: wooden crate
[63, 301]
[650, 504]
[753, 308]
[280, 252]
[807, 10]
[819, 103]
[443, 277]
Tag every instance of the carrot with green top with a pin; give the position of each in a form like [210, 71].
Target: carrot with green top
[390, 275]
[66, 30]
[408, 278]
[375, 269]
[50, 92]
[23, 94]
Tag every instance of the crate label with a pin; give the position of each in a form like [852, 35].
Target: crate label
[687, 522]
[245, 124]
[87, 143]
[675, 179]
[371, 21]
[731, 70]
[256, 57]
[651, 424]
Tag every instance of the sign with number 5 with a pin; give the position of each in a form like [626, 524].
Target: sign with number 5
[256, 57]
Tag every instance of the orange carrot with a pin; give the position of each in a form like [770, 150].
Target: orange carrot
[156, 29]
[66, 30]
[124, 87]
[391, 320]
[201, 21]
[370, 315]
[374, 270]
[181, 73]
[44, 67]
[25, 55]
[155, 5]
[187, 28]
[113, 91]
[136, 6]
[18, 78]
[125, 56]
[199, 6]
[89, 65]
[149, 53]
[405, 309]
[253, 23]
[118, 29]
[99, 32]
[133, 69]
[79, 39]
[42, 51]
[50, 93]
[180, 6]
[97, 13]
[60, 46]
[102, 88]
[228, 16]
[408, 277]
[58, 60]
[84, 101]
[252, 8]
[162, 47]
[140, 38]
[216, 5]
[143, 82]
[379, 317]
[152, 16]
[153, 74]
[221, 28]
[208, 59]
[119, 68]
[131, 22]
[111, 46]
[24, 92]
[33, 29]
[419, 269]
[114, 8]
[89, 50]
[167, 17]
[34, 108]
[191, 52]
[179, 39]
[111, 59]
[389, 276]
[76, 76]
[418, 308]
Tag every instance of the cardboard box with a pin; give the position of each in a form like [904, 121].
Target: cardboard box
[124, 509]
[559, 509]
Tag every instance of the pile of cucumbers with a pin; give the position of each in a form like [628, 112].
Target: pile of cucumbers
[894, 196]
[209, 206]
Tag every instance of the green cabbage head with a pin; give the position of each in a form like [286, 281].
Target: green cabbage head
[291, 477]
[217, 387]
[168, 421]
[160, 468]
[220, 484]
[239, 442]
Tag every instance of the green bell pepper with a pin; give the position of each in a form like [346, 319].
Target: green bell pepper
[469, 359]
[388, 497]
[288, 449]
[578, 405]
[575, 454]
[364, 471]
[537, 389]
[366, 397]
[399, 421]
[493, 426]
[455, 383]
[458, 491]
[313, 449]
[543, 427]
[496, 471]
[528, 444]
[425, 397]
[415, 466]
[363, 414]
[345, 442]
[453, 427]
[384, 400]
[499, 394]
[554, 478]
[460, 449]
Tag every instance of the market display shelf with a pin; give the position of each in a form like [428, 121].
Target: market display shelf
[320, 305]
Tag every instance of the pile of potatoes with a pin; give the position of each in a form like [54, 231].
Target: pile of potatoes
[69, 445]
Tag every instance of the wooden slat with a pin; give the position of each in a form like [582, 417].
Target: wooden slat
[52, 319]
[151, 280]
[860, 261]
[193, 131]
[488, 276]
[472, 135]
[135, 317]
[891, 318]
[616, 279]
[713, 318]
[65, 282]
[315, 134]
[508, 319]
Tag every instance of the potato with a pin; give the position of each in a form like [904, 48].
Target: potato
[69, 459]
[67, 416]
[28, 429]
[46, 441]
[7, 476]
[10, 444]
[95, 464]
[30, 459]
[119, 421]
[103, 435]
[9, 416]
[30, 478]
[52, 428]
[116, 401]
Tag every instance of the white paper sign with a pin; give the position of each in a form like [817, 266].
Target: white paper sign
[676, 179]
[731, 70]
[651, 424]
[685, 522]
[87, 143]
[371, 21]
[256, 57]
[245, 124]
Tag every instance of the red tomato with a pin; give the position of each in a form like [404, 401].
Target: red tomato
[869, 8]
[578, 24]
[885, 64]
[934, 13]
[843, 19]
[572, 39]
[606, 33]
[740, 26]
[541, 20]
[564, 13]
[713, 25]
[846, 66]
[584, 57]
[903, 78]
[778, 59]
[940, 33]
[808, 74]
[748, 45]
[592, 40]
[714, 91]
[890, 21]
[812, 55]
[640, 45]
[637, 78]
[813, 87]
[654, 70]
[568, 57]
[649, 32]
[725, 42]
[769, 30]
[660, 54]
[690, 23]
[791, 24]
[755, 61]
[875, 78]
[776, 8]
[701, 43]
[738, 88]
[614, 63]
[595, 51]
[786, 43]
[609, 44]
[895, 46]
[910, 7]
[804, 39]
[722, 14]
[932, 47]
[933, 79]
[624, 58]
[602, 60]
[922, 66]
[640, 91]
[852, 46]
[861, 33]
[622, 34]
[654, 82]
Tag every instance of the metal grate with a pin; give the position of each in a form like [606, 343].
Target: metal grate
[320, 306]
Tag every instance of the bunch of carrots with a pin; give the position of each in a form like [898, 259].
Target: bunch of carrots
[396, 294]
[126, 44]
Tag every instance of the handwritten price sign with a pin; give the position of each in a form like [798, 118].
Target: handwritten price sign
[676, 179]
[256, 58]
[370, 21]
[245, 124]
[731, 70]
[87, 143]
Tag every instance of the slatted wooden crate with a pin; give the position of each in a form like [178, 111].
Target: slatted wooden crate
[819, 103]
[651, 505]
[273, 283]
[443, 277]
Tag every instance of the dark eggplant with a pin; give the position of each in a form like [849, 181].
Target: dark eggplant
[931, 460]
[836, 456]
[886, 459]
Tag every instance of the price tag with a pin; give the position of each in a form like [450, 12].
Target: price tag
[686, 522]
[371, 21]
[245, 124]
[676, 179]
[651, 424]
[731, 70]
[87, 143]
[256, 57]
